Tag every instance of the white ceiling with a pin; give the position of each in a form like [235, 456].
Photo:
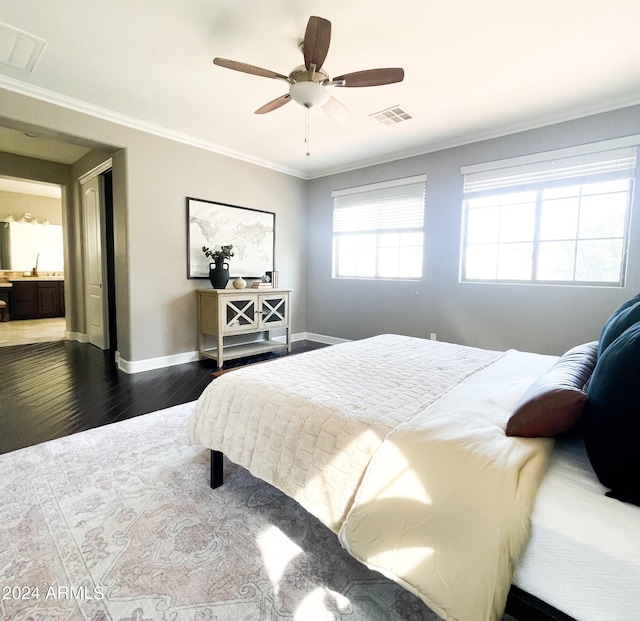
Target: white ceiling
[473, 70]
[24, 186]
[39, 146]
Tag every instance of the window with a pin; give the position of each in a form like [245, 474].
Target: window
[558, 218]
[378, 230]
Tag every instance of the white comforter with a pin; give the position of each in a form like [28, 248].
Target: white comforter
[444, 506]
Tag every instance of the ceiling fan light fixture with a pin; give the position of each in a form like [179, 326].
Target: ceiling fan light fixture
[309, 94]
[309, 84]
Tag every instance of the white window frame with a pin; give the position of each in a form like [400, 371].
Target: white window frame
[575, 166]
[379, 210]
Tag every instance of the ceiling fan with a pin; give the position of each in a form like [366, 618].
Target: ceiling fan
[309, 84]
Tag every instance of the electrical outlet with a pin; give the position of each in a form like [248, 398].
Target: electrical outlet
[432, 336]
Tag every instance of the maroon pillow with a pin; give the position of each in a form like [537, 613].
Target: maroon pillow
[553, 404]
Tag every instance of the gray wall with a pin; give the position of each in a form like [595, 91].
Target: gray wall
[160, 175]
[545, 319]
[152, 176]
[156, 302]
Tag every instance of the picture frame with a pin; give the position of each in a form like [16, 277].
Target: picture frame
[250, 231]
[272, 278]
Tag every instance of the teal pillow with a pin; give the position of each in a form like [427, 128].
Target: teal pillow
[622, 318]
[612, 417]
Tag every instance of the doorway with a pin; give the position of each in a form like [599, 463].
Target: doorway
[110, 260]
[99, 263]
[31, 261]
[37, 330]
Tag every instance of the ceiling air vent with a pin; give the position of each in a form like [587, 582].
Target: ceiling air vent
[390, 116]
[18, 48]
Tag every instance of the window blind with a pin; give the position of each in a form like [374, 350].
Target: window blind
[533, 172]
[379, 207]
[558, 217]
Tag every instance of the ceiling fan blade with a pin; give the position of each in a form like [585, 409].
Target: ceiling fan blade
[336, 110]
[245, 68]
[371, 77]
[317, 38]
[274, 105]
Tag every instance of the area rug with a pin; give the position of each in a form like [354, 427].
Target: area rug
[119, 523]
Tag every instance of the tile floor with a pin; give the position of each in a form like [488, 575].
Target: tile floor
[26, 331]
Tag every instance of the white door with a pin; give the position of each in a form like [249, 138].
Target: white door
[95, 294]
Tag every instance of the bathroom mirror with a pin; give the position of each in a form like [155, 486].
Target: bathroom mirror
[25, 245]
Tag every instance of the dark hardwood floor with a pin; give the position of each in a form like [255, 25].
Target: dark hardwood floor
[50, 390]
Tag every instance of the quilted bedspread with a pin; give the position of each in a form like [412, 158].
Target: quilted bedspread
[397, 444]
[309, 424]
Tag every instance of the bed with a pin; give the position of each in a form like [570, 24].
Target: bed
[398, 445]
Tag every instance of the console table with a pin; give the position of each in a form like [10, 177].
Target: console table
[241, 321]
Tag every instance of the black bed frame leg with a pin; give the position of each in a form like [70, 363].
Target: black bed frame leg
[217, 476]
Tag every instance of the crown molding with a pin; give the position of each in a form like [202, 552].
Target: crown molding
[478, 136]
[36, 92]
[77, 105]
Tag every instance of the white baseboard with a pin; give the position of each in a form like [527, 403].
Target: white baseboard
[310, 336]
[76, 336]
[149, 364]
[322, 338]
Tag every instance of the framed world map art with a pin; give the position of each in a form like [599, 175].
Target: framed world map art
[250, 231]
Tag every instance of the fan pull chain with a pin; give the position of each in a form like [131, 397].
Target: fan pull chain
[307, 137]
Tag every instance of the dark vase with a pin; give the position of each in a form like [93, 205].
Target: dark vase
[219, 274]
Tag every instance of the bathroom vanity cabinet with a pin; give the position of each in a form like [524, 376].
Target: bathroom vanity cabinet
[37, 298]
